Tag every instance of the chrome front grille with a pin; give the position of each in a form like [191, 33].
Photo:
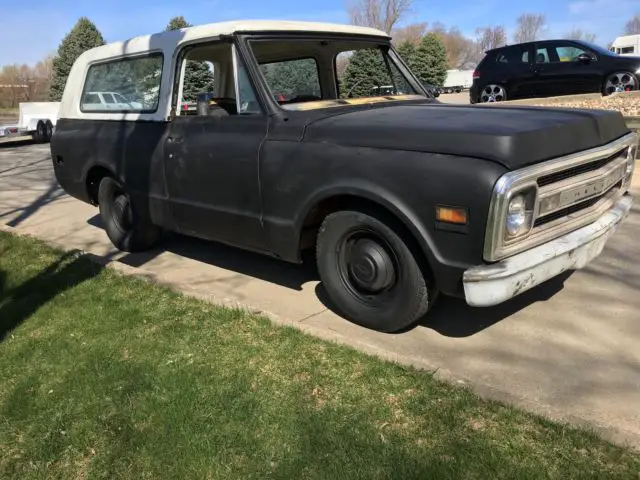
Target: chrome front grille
[570, 192]
[579, 169]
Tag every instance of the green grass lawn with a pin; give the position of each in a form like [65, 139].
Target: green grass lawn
[105, 376]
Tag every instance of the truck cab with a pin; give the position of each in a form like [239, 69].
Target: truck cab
[400, 197]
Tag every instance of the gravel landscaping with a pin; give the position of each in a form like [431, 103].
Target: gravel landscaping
[627, 104]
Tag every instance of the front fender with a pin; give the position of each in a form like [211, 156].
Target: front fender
[296, 177]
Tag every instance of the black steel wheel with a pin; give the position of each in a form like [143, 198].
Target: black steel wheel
[370, 273]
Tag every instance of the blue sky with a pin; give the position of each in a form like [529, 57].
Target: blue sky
[31, 30]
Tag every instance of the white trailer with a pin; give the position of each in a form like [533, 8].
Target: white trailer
[457, 81]
[627, 45]
[36, 119]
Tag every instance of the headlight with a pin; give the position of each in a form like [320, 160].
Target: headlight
[520, 215]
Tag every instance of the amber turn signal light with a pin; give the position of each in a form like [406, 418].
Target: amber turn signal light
[454, 215]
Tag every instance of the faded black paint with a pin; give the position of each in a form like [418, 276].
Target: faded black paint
[250, 181]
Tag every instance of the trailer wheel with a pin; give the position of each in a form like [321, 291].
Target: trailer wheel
[39, 136]
[48, 131]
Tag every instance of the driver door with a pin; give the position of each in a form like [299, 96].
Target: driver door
[211, 153]
[560, 73]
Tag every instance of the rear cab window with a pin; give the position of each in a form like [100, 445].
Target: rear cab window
[135, 82]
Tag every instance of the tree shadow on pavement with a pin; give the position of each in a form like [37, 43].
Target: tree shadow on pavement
[19, 303]
[222, 256]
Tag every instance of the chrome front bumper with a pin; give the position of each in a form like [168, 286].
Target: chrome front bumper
[487, 285]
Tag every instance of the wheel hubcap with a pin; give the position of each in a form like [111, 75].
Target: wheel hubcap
[620, 82]
[370, 266]
[493, 93]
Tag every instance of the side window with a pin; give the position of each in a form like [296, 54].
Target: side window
[569, 52]
[91, 98]
[247, 102]
[136, 79]
[513, 56]
[293, 79]
[542, 55]
[626, 50]
[215, 83]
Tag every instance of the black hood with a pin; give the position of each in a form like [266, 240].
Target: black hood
[512, 136]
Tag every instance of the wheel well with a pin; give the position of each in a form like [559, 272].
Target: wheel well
[94, 177]
[315, 217]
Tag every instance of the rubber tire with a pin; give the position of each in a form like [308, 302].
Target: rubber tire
[48, 131]
[39, 134]
[414, 294]
[142, 235]
[604, 83]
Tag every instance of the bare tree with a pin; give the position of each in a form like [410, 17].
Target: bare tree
[411, 33]
[462, 52]
[22, 83]
[491, 37]
[530, 26]
[633, 26]
[380, 14]
[579, 34]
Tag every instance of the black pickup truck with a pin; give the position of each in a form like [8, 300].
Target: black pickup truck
[400, 196]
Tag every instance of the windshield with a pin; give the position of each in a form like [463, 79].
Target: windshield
[598, 48]
[308, 74]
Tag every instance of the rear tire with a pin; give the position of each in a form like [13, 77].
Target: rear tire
[127, 229]
[370, 273]
[620, 82]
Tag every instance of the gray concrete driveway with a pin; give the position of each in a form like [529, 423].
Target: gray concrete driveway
[569, 349]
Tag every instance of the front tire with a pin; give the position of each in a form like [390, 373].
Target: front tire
[127, 229]
[370, 273]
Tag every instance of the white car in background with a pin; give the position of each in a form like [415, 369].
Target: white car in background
[108, 101]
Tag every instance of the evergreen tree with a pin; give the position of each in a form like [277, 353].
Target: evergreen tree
[82, 37]
[430, 60]
[198, 78]
[366, 70]
[299, 77]
[408, 52]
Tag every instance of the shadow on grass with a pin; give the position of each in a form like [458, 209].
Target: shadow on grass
[19, 303]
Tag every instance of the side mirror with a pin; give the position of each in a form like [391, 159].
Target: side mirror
[584, 58]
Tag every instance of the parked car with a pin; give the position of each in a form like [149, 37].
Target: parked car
[401, 197]
[552, 67]
[92, 101]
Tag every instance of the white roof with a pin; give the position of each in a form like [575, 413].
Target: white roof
[626, 40]
[176, 37]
